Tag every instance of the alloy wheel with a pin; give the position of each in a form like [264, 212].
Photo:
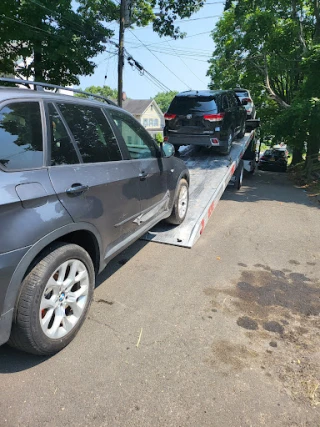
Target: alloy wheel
[64, 299]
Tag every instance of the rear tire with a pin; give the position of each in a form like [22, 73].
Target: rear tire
[238, 176]
[54, 300]
[180, 204]
[226, 150]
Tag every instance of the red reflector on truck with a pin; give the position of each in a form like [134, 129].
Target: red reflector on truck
[214, 117]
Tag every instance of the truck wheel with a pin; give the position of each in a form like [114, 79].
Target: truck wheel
[226, 150]
[54, 300]
[181, 203]
[238, 176]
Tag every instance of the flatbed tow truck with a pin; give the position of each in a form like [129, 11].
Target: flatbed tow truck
[210, 174]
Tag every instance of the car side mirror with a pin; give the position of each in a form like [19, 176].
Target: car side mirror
[167, 149]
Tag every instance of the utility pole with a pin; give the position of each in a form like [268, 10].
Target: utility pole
[121, 52]
[125, 21]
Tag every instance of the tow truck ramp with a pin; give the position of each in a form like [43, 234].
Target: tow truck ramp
[210, 174]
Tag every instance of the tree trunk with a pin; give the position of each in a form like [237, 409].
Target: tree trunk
[296, 155]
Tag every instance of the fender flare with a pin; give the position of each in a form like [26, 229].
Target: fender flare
[21, 269]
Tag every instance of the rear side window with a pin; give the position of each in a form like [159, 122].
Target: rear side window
[92, 133]
[188, 104]
[62, 149]
[21, 144]
[233, 100]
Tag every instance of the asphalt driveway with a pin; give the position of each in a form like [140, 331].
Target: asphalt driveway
[224, 334]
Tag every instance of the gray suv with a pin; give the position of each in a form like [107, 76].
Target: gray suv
[80, 180]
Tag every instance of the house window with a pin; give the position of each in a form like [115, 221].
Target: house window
[145, 122]
[155, 123]
[151, 123]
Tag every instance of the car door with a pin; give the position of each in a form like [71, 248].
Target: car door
[29, 207]
[153, 170]
[94, 183]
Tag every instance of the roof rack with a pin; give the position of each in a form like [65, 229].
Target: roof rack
[41, 86]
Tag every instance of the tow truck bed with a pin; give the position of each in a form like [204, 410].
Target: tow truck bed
[210, 174]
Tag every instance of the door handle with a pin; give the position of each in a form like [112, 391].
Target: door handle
[77, 190]
[143, 175]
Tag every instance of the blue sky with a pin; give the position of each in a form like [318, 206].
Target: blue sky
[179, 64]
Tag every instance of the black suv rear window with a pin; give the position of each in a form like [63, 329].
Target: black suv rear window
[242, 94]
[187, 104]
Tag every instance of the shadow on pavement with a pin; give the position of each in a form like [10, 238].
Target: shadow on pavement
[257, 188]
[12, 360]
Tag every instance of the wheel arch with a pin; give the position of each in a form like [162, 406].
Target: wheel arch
[83, 234]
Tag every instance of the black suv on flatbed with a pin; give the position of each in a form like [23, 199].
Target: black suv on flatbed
[210, 118]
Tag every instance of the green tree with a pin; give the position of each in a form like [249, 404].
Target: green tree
[271, 48]
[168, 11]
[101, 90]
[55, 40]
[163, 99]
[50, 40]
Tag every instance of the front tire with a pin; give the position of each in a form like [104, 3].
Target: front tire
[54, 300]
[180, 204]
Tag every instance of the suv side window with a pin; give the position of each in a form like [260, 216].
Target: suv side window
[92, 133]
[139, 142]
[21, 142]
[233, 100]
[62, 149]
[224, 102]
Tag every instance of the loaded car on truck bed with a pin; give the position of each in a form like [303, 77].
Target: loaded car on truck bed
[79, 181]
[209, 118]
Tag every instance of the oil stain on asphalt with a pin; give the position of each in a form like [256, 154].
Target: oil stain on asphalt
[278, 309]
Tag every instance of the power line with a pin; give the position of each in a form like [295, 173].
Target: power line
[159, 60]
[62, 17]
[30, 26]
[186, 65]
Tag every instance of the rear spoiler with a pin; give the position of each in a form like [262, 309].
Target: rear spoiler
[252, 124]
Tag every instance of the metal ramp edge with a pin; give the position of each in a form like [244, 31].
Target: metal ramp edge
[186, 234]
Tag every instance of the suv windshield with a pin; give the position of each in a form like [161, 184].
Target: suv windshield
[187, 104]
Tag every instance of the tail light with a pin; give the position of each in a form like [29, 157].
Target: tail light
[166, 139]
[169, 116]
[214, 117]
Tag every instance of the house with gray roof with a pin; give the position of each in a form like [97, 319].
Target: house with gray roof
[147, 112]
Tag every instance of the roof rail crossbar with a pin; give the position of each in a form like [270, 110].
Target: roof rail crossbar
[41, 85]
